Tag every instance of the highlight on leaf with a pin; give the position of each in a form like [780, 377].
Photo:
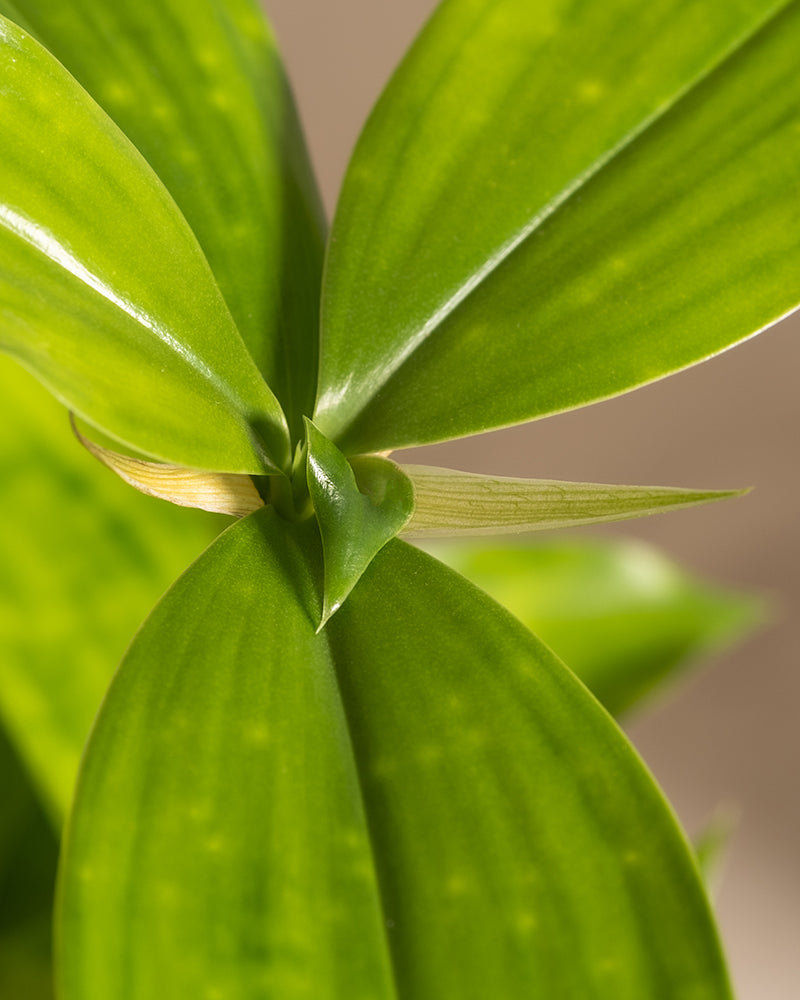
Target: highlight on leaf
[218, 492]
[449, 502]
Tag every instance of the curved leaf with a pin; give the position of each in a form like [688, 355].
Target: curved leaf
[449, 502]
[218, 832]
[83, 557]
[198, 87]
[354, 524]
[219, 492]
[522, 848]
[555, 203]
[104, 292]
[520, 845]
[621, 615]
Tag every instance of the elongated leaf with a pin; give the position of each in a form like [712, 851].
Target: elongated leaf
[198, 86]
[521, 847]
[354, 525]
[104, 292]
[449, 502]
[218, 833]
[83, 557]
[555, 203]
[621, 615]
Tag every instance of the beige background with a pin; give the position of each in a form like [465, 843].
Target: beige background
[732, 735]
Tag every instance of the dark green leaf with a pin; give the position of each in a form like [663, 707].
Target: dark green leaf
[198, 86]
[105, 294]
[28, 852]
[354, 525]
[218, 846]
[555, 203]
[619, 614]
[448, 502]
[82, 559]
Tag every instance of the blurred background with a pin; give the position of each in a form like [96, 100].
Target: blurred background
[728, 736]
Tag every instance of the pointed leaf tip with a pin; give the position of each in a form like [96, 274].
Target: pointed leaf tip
[357, 513]
[448, 502]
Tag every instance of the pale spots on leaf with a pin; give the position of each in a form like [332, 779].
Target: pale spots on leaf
[118, 93]
[429, 754]
[458, 884]
[215, 845]
[525, 923]
[590, 91]
[257, 734]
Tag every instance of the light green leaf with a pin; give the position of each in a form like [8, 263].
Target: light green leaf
[28, 852]
[218, 833]
[218, 827]
[449, 502]
[105, 294]
[354, 525]
[198, 86]
[621, 615]
[83, 557]
[553, 203]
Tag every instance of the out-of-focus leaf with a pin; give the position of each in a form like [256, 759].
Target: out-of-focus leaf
[198, 86]
[104, 292]
[28, 852]
[553, 203]
[354, 526]
[83, 557]
[712, 843]
[449, 502]
[218, 832]
[618, 613]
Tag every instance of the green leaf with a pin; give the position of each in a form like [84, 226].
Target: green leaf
[218, 834]
[354, 525]
[522, 848]
[105, 294]
[621, 615]
[552, 204]
[198, 86]
[449, 502]
[83, 557]
[28, 852]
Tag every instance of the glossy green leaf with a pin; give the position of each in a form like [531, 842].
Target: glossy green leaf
[354, 525]
[449, 502]
[104, 292]
[28, 852]
[198, 86]
[218, 834]
[218, 831]
[83, 557]
[555, 203]
[621, 615]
